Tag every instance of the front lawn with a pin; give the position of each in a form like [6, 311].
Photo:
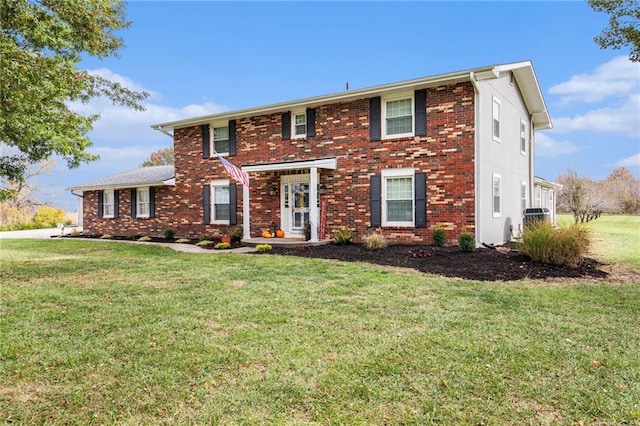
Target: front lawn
[97, 332]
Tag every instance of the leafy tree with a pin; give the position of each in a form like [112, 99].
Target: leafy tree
[23, 203]
[41, 45]
[624, 25]
[625, 189]
[161, 157]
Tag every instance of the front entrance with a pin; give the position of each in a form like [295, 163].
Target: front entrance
[294, 204]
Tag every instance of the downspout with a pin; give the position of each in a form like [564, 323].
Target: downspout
[532, 173]
[476, 124]
[79, 217]
[164, 131]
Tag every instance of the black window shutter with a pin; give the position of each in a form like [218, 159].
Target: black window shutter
[205, 140]
[311, 122]
[152, 201]
[420, 188]
[375, 119]
[206, 204]
[134, 201]
[100, 203]
[286, 125]
[376, 200]
[421, 112]
[116, 203]
[233, 204]
[232, 137]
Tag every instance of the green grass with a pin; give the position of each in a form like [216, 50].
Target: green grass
[615, 238]
[101, 333]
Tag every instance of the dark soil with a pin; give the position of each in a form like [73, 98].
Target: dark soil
[483, 264]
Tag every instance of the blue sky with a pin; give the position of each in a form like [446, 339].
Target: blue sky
[199, 58]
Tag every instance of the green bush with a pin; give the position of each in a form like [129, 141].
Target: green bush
[467, 241]
[145, 238]
[169, 234]
[439, 235]
[566, 245]
[222, 246]
[263, 248]
[236, 234]
[204, 243]
[375, 241]
[50, 217]
[343, 236]
[183, 240]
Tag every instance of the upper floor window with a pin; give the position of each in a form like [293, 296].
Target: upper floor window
[220, 207]
[299, 124]
[108, 203]
[496, 120]
[497, 204]
[397, 197]
[142, 202]
[220, 139]
[523, 137]
[398, 117]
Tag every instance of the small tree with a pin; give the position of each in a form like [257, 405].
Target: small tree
[161, 157]
[585, 199]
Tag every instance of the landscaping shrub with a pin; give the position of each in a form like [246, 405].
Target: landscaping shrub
[169, 234]
[222, 246]
[375, 241]
[566, 245]
[467, 241]
[183, 240]
[343, 236]
[263, 248]
[107, 237]
[50, 217]
[439, 235]
[145, 238]
[236, 234]
[204, 243]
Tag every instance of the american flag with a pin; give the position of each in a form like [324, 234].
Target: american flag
[235, 172]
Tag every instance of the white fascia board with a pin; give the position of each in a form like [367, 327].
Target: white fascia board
[349, 95]
[324, 163]
[169, 182]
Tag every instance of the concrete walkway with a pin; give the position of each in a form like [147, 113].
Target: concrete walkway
[56, 232]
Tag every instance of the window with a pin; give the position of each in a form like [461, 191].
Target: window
[496, 120]
[398, 117]
[538, 197]
[220, 139]
[523, 195]
[142, 202]
[220, 206]
[299, 124]
[108, 204]
[397, 190]
[523, 137]
[496, 195]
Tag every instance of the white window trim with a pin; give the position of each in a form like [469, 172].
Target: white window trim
[538, 197]
[392, 173]
[493, 134]
[112, 204]
[523, 133]
[523, 189]
[293, 124]
[138, 214]
[493, 209]
[398, 97]
[212, 144]
[217, 183]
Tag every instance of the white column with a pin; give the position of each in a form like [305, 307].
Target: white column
[313, 204]
[246, 222]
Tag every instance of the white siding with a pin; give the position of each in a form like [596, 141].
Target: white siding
[503, 158]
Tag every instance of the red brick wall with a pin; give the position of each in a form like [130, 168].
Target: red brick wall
[446, 155]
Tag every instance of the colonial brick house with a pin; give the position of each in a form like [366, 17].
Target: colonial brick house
[455, 150]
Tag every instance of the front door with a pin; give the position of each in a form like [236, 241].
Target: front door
[294, 202]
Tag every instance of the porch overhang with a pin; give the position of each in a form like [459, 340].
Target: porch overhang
[323, 163]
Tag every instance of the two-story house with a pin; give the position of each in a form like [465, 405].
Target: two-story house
[455, 150]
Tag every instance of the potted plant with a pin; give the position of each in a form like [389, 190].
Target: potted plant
[307, 230]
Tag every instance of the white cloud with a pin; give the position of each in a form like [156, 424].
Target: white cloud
[630, 162]
[624, 119]
[548, 147]
[121, 124]
[618, 77]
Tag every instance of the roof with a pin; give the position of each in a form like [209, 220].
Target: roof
[546, 183]
[522, 71]
[144, 176]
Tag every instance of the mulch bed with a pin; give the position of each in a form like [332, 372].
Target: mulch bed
[483, 264]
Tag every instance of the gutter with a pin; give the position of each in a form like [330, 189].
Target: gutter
[159, 127]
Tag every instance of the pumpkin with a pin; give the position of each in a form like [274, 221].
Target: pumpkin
[266, 234]
[280, 233]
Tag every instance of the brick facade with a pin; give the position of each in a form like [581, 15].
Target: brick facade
[445, 154]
